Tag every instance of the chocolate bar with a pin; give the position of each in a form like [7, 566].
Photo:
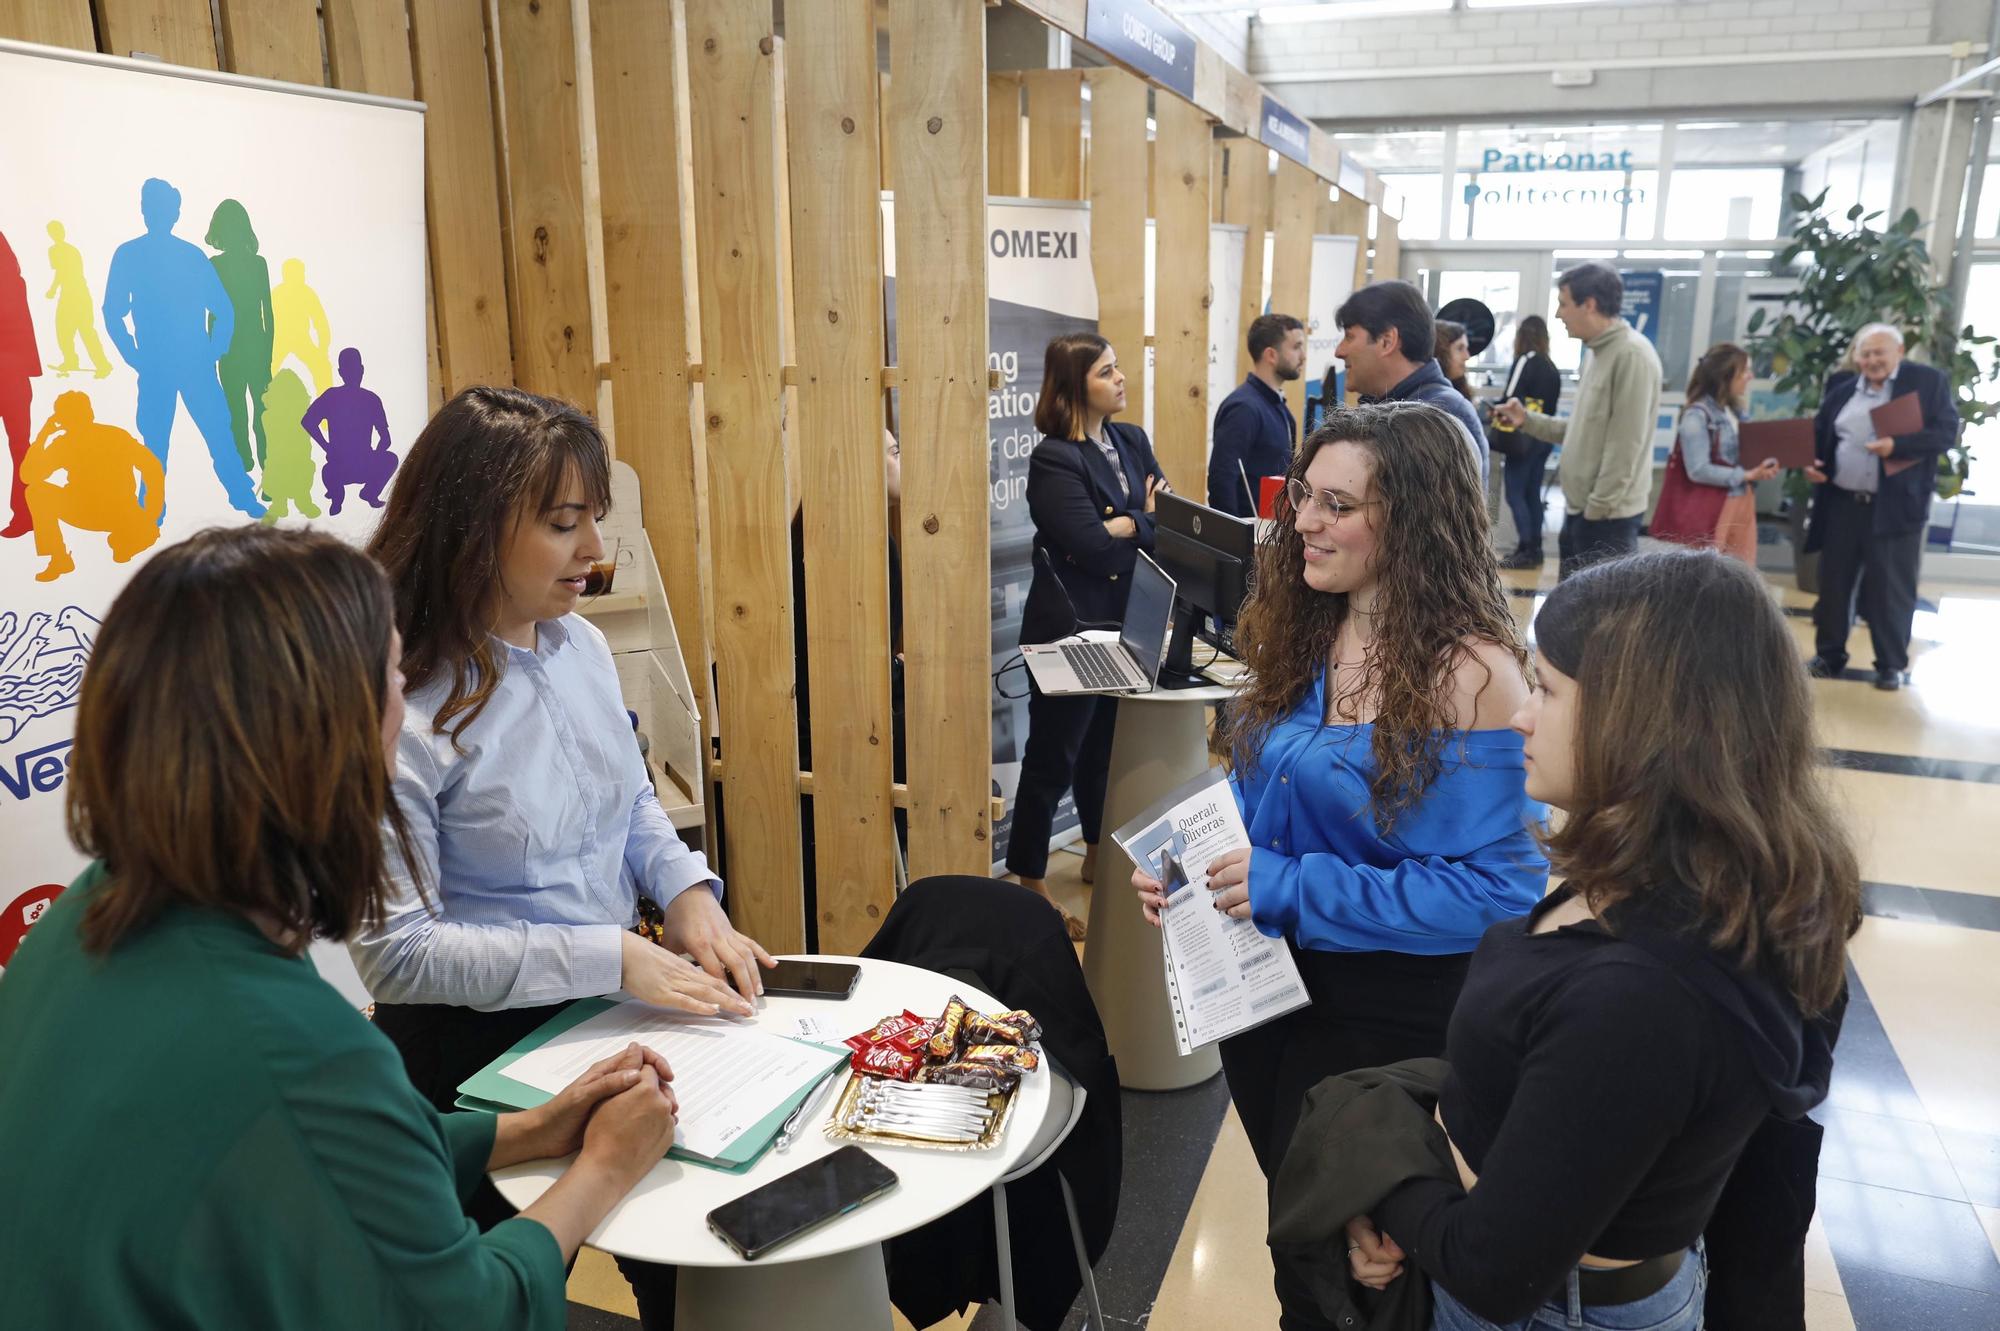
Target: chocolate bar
[980, 1076]
[1002, 1056]
[945, 1043]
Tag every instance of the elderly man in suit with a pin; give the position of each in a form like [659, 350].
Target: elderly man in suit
[1872, 501]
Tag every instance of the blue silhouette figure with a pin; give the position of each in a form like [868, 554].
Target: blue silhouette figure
[182, 324]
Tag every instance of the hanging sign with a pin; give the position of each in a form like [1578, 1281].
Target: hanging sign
[1287, 133]
[1134, 33]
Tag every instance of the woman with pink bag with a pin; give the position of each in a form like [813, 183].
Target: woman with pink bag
[1707, 497]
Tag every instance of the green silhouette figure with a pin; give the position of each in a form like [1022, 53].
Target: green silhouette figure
[76, 313]
[288, 470]
[104, 469]
[245, 368]
[300, 327]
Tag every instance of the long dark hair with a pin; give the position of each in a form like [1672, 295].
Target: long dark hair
[1438, 589]
[228, 748]
[1715, 374]
[1532, 334]
[1065, 398]
[1698, 780]
[490, 458]
[1448, 335]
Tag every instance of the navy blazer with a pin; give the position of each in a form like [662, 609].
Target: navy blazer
[1903, 501]
[1072, 493]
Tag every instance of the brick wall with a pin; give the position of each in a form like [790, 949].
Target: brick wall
[1666, 28]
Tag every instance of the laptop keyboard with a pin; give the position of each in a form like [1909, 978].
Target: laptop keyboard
[1095, 666]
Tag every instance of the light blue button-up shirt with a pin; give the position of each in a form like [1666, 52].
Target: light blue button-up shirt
[1854, 467]
[536, 839]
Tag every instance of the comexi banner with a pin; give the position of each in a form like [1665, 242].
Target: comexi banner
[1039, 285]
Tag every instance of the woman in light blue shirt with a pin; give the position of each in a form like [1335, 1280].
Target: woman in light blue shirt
[1710, 451]
[532, 818]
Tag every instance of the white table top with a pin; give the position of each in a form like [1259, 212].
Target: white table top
[665, 1218]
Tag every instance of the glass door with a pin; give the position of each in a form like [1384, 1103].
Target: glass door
[1509, 283]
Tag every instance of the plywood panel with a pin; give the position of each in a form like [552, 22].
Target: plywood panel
[1055, 133]
[1005, 136]
[937, 122]
[732, 97]
[273, 39]
[639, 71]
[1118, 224]
[1183, 294]
[548, 269]
[1388, 245]
[180, 32]
[1293, 209]
[830, 105]
[49, 22]
[1250, 207]
[462, 193]
[368, 46]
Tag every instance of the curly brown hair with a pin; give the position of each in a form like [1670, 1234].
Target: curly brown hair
[1438, 590]
[1697, 779]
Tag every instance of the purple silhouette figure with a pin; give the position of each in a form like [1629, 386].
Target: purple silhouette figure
[344, 421]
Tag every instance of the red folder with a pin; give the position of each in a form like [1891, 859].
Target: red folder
[1268, 490]
[1789, 441]
[1899, 415]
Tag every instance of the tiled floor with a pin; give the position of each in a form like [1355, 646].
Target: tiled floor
[1908, 1234]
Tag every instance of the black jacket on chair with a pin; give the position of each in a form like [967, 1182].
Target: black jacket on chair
[1006, 940]
[1072, 493]
[1903, 501]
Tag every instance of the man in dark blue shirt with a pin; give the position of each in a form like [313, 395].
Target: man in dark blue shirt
[1387, 342]
[1255, 434]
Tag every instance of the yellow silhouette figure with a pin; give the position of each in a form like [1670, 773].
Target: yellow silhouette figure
[299, 327]
[104, 470]
[288, 461]
[76, 312]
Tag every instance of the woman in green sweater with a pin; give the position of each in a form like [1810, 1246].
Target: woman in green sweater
[195, 1129]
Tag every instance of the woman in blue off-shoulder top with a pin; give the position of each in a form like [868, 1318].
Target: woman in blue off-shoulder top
[1384, 794]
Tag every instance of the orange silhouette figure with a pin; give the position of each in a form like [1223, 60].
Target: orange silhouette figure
[104, 469]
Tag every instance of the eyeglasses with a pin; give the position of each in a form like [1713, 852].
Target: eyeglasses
[1303, 497]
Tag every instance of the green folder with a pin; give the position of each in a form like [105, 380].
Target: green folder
[492, 1091]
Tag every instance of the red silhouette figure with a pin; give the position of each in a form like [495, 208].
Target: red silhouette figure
[20, 361]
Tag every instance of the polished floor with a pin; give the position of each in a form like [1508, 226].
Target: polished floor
[1908, 1234]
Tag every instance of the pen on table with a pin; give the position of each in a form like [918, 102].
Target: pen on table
[792, 1120]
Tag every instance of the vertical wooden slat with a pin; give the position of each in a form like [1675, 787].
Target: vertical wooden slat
[1055, 133]
[1292, 214]
[1218, 159]
[938, 52]
[181, 32]
[1250, 206]
[49, 22]
[462, 193]
[273, 39]
[639, 67]
[368, 46]
[1118, 224]
[549, 277]
[1350, 218]
[1004, 135]
[1388, 245]
[1182, 295]
[732, 91]
[837, 285]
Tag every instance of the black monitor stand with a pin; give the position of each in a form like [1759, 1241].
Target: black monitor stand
[1177, 671]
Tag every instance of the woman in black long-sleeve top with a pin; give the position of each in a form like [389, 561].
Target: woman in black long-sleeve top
[1090, 493]
[1533, 378]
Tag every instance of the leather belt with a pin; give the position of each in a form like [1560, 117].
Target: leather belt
[1858, 496]
[1627, 1284]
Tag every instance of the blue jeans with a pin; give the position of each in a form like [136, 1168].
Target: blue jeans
[1676, 1307]
[1522, 480]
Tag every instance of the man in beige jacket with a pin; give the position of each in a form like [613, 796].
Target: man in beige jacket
[1606, 468]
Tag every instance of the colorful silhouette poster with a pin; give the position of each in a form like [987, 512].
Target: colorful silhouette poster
[177, 259]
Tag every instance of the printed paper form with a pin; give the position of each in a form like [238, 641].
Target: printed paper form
[1223, 977]
[727, 1078]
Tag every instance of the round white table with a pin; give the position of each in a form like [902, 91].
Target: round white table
[1161, 741]
[835, 1270]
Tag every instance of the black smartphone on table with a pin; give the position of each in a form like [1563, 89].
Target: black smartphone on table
[811, 979]
[800, 1201]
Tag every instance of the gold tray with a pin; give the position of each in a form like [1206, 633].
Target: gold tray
[1001, 1102]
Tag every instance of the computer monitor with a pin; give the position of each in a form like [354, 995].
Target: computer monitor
[1210, 555]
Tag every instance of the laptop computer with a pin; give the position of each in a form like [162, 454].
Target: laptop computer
[1130, 665]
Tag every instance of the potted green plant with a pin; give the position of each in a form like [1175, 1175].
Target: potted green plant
[1848, 278]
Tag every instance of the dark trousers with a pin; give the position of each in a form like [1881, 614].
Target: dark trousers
[1522, 481]
[1069, 747]
[1881, 570]
[1369, 1009]
[1584, 542]
[441, 1047]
